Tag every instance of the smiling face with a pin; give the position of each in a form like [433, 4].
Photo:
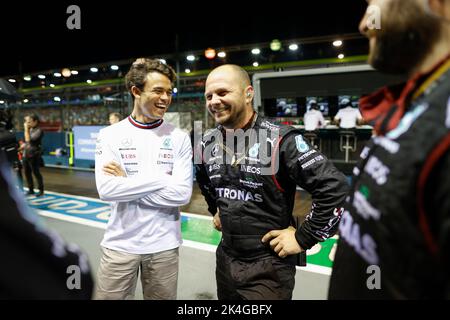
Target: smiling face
[152, 103]
[408, 33]
[228, 97]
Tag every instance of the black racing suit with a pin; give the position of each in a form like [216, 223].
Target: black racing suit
[36, 263]
[395, 231]
[254, 189]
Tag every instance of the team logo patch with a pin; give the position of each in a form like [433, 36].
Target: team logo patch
[253, 152]
[302, 146]
[167, 143]
[127, 142]
[215, 150]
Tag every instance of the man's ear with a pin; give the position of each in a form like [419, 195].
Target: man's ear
[249, 93]
[136, 92]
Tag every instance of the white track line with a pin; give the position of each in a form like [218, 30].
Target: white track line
[187, 243]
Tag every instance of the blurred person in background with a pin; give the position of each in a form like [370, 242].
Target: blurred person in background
[395, 231]
[114, 117]
[32, 153]
[313, 118]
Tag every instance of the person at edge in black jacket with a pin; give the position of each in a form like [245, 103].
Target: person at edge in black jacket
[36, 263]
[395, 231]
[250, 183]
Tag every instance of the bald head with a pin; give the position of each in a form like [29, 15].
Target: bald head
[234, 72]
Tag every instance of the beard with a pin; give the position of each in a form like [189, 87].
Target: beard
[407, 36]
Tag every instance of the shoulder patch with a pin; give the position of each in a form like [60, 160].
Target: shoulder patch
[302, 146]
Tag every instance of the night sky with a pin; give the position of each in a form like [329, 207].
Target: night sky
[35, 36]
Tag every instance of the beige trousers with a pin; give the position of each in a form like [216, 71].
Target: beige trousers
[118, 272]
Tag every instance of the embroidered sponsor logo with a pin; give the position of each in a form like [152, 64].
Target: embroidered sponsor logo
[312, 161]
[251, 184]
[127, 142]
[214, 166]
[407, 121]
[216, 176]
[364, 208]
[377, 170]
[250, 169]
[239, 195]
[165, 155]
[306, 155]
[363, 244]
[389, 145]
[128, 156]
[302, 146]
[164, 162]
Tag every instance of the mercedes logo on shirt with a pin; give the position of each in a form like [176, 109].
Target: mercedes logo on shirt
[127, 142]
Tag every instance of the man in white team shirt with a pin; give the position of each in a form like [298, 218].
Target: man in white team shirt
[313, 118]
[348, 117]
[143, 166]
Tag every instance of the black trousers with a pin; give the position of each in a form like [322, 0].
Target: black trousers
[267, 278]
[32, 165]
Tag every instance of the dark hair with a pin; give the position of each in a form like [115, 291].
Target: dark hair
[137, 75]
[33, 117]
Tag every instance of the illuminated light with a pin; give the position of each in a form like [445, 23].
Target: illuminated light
[57, 99]
[222, 54]
[57, 74]
[256, 51]
[175, 90]
[114, 67]
[337, 43]
[187, 70]
[12, 80]
[293, 47]
[163, 61]
[52, 85]
[66, 72]
[94, 69]
[275, 45]
[27, 78]
[89, 81]
[210, 53]
[255, 64]
[341, 56]
[74, 72]
[25, 100]
[190, 57]
[41, 76]
[2, 102]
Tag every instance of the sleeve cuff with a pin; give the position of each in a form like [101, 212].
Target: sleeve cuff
[304, 240]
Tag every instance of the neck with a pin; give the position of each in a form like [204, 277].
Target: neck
[138, 116]
[439, 52]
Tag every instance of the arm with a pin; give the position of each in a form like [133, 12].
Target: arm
[437, 206]
[26, 132]
[204, 183]
[328, 187]
[117, 188]
[39, 257]
[179, 188]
